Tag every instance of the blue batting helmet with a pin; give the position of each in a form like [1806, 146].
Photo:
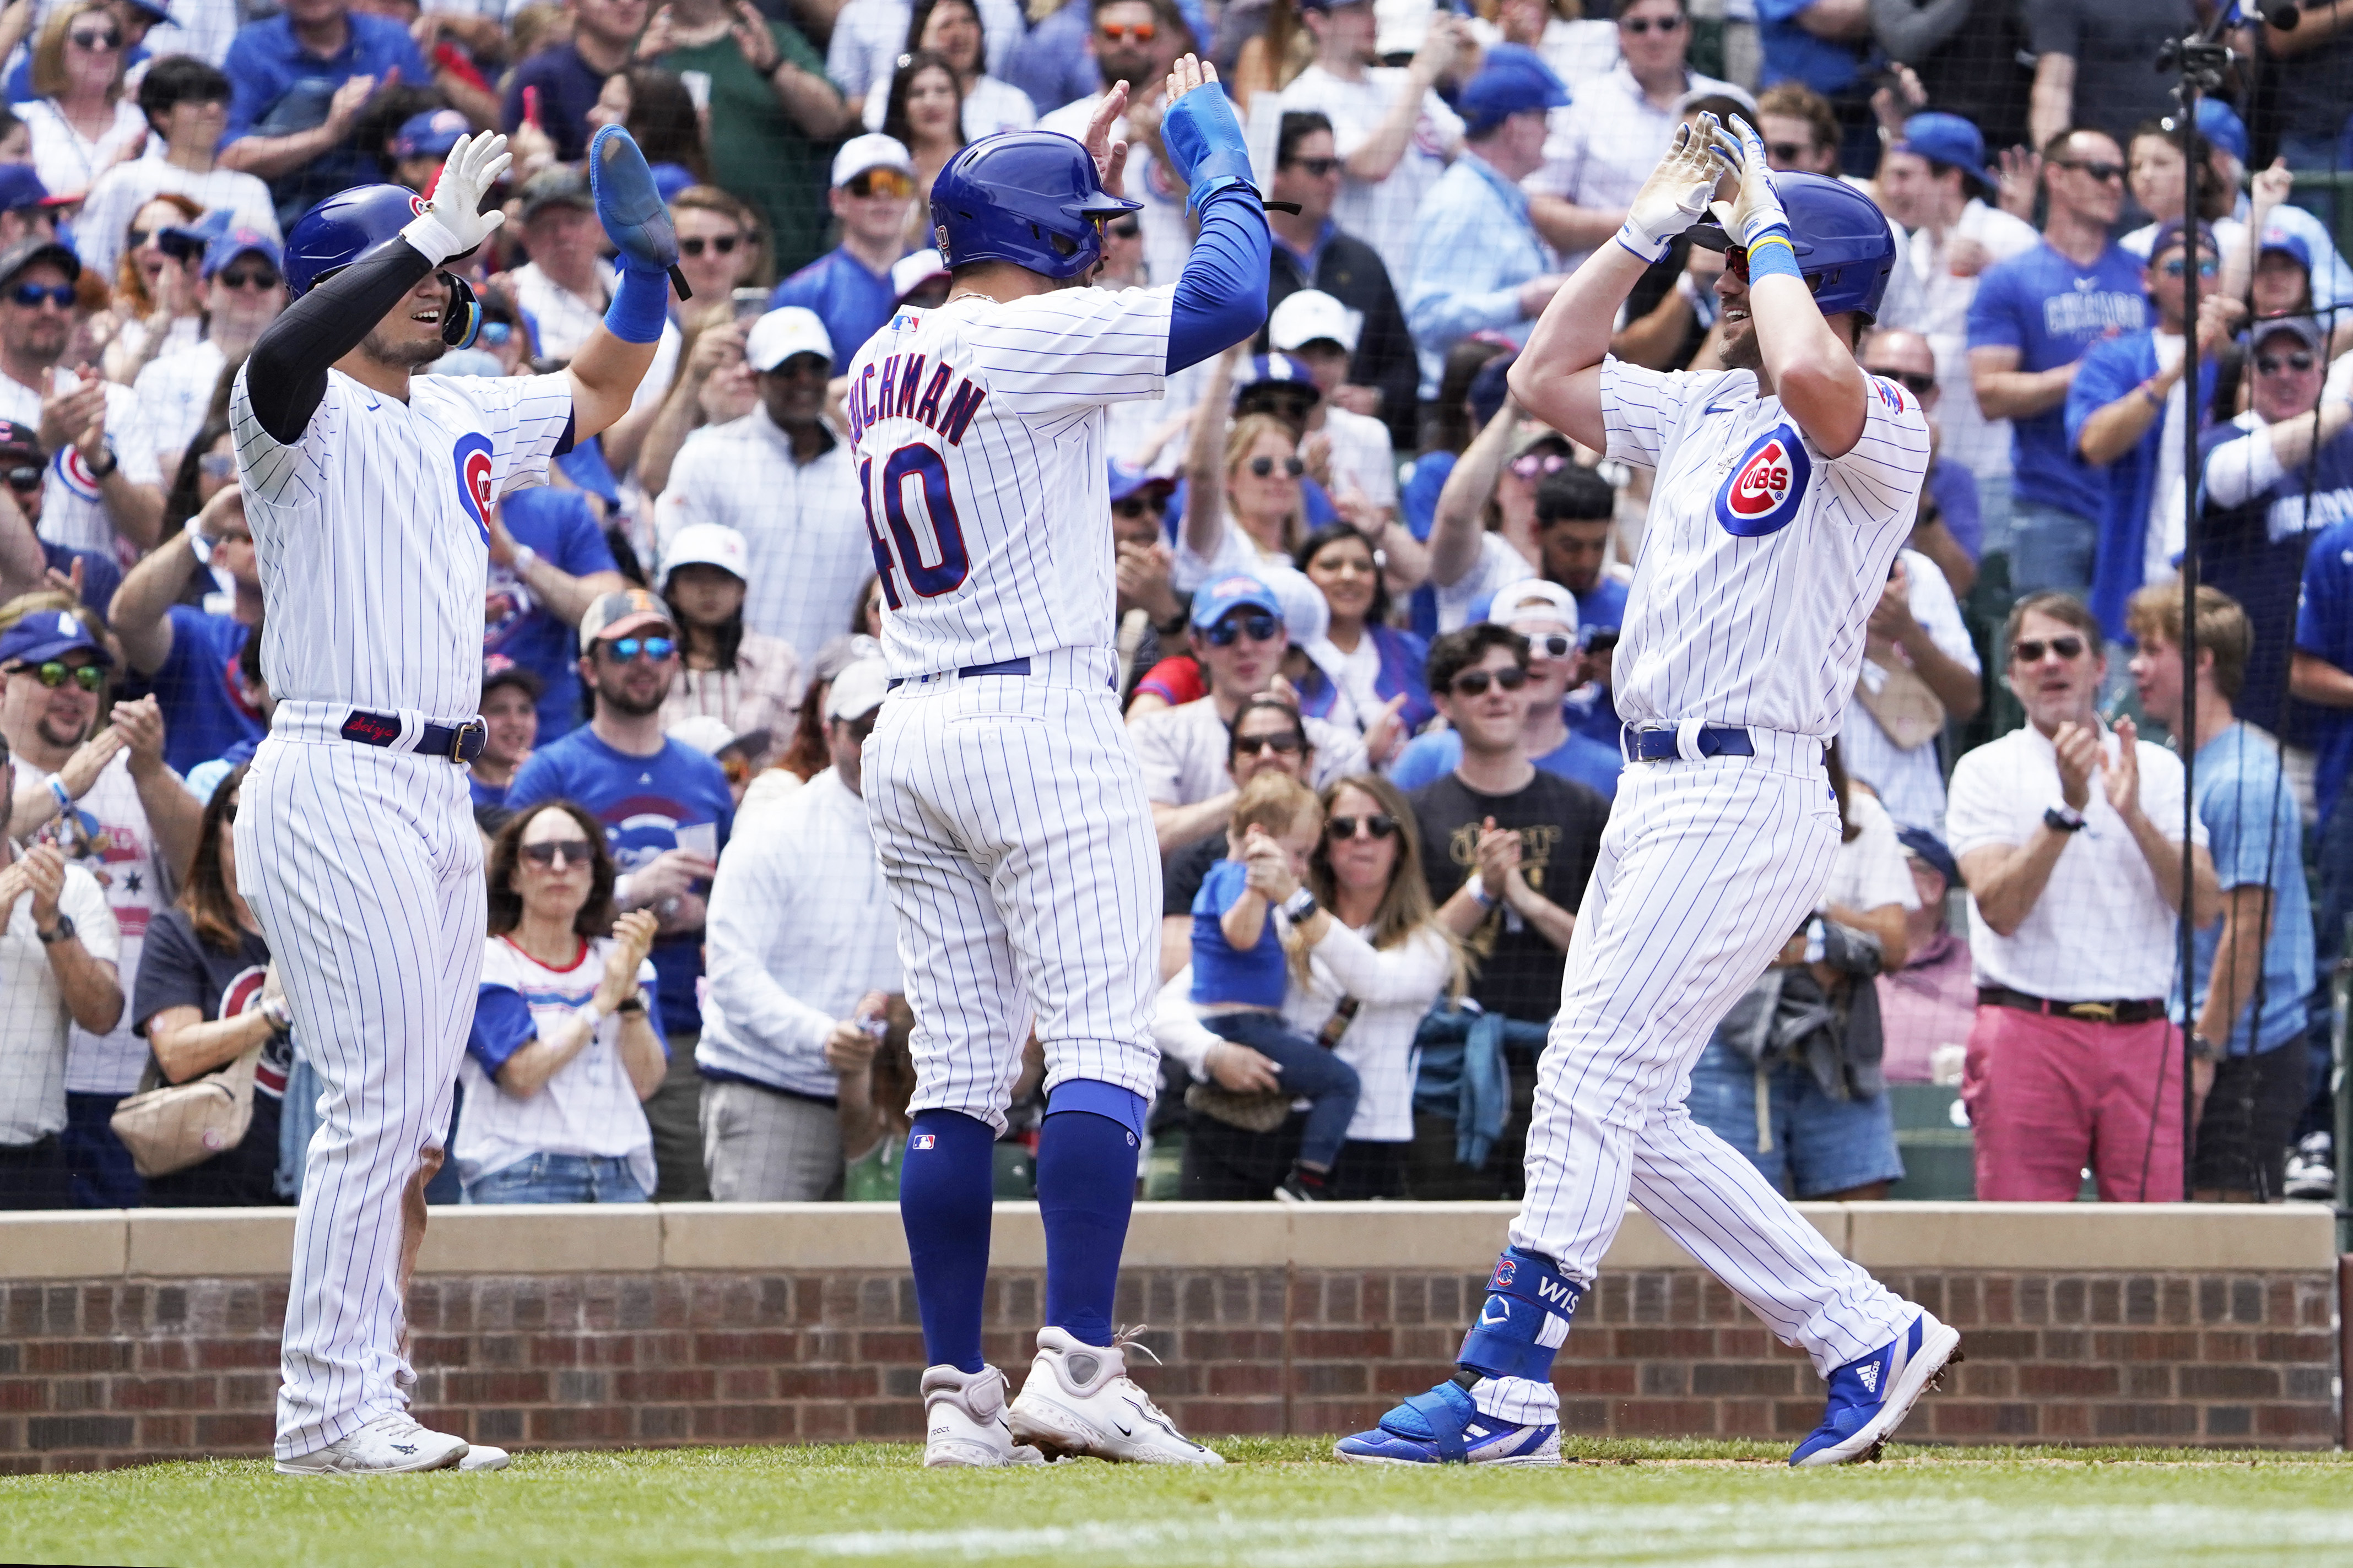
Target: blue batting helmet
[345, 226]
[1845, 247]
[1030, 197]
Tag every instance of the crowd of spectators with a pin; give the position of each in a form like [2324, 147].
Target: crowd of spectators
[1369, 610]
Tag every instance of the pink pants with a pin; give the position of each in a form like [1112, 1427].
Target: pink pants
[2048, 1096]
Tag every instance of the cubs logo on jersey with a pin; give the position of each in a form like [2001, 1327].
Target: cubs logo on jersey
[472, 457]
[1767, 486]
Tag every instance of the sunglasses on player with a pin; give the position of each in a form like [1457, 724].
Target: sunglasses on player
[1379, 824]
[718, 243]
[1258, 629]
[571, 852]
[1474, 683]
[57, 672]
[2030, 650]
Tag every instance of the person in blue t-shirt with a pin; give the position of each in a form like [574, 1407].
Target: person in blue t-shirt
[2320, 672]
[298, 83]
[2254, 968]
[849, 286]
[191, 659]
[2030, 325]
[549, 562]
[2274, 478]
[1240, 972]
[1542, 618]
[667, 813]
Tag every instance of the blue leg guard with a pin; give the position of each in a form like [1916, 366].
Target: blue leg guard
[1525, 1320]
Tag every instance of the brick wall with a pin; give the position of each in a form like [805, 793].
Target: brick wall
[109, 1371]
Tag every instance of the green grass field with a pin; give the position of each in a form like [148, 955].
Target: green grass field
[1278, 1504]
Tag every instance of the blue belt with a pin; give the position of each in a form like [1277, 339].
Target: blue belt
[1660, 745]
[1002, 667]
[458, 744]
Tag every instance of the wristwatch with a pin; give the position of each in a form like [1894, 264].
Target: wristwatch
[633, 1002]
[110, 461]
[2203, 1050]
[279, 1016]
[1299, 906]
[2062, 819]
[61, 931]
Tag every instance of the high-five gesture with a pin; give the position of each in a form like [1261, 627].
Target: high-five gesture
[453, 222]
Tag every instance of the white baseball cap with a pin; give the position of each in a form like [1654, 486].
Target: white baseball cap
[780, 334]
[1310, 314]
[858, 690]
[910, 273]
[708, 544]
[871, 151]
[1534, 599]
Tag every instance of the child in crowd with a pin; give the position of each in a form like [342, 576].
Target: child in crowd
[1240, 972]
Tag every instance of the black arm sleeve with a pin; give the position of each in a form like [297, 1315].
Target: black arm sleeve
[286, 375]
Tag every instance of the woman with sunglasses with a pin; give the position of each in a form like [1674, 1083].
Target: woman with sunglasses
[565, 1046]
[206, 994]
[243, 284]
[1244, 502]
[81, 124]
[1365, 670]
[156, 288]
[1376, 957]
[925, 114]
[953, 30]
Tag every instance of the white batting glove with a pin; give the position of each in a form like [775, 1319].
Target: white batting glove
[1675, 195]
[452, 223]
[1759, 206]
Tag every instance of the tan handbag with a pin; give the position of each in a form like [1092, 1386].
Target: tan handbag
[1906, 708]
[172, 1127]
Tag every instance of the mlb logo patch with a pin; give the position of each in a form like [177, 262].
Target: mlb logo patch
[1767, 487]
[921, 1141]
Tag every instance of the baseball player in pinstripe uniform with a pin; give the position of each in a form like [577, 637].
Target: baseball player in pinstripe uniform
[1008, 809]
[1785, 487]
[367, 492]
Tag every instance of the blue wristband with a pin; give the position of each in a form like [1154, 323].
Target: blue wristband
[640, 306]
[1771, 254]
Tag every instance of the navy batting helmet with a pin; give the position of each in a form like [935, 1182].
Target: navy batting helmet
[345, 226]
[1845, 247]
[1030, 197]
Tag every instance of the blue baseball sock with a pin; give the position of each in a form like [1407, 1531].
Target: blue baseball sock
[945, 1186]
[1086, 1187]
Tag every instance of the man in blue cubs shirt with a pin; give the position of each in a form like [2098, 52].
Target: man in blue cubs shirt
[189, 658]
[2033, 317]
[667, 812]
[549, 562]
[849, 286]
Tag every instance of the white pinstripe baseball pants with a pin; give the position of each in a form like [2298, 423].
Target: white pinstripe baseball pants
[365, 871]
[1009, 818]
[1706, 869]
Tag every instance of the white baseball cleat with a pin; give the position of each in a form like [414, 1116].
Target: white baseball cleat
[963, 1421]
[483, 1457]
[1080, 1400]
[391, 1445]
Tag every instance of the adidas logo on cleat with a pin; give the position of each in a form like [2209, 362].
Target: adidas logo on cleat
[1869, 1376]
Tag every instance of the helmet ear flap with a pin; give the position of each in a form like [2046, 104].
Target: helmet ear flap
[463, 319]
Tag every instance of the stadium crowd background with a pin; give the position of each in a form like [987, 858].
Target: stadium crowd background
[1367, 609]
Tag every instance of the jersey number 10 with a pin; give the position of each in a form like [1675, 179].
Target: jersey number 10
[948, 565]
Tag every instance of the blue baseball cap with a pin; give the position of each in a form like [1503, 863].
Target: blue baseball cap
[1919, 841]
[2288, 243]
[1222, 598]
[1126, 481]
[240, 242]
[1514, 81]
[1281, 369]
[1947, 139]
[49, 633]
[21, 187]
[669, 179]
[2221, 126]
[429, 135]
[1489, 387]
[2169, 233]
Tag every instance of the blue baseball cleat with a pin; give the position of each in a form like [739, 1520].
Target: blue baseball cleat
[1871, 1397]
[1444, 1427]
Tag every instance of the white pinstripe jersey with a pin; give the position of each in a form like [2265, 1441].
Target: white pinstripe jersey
[370, 537]
[978, 433]
[1762, 558]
